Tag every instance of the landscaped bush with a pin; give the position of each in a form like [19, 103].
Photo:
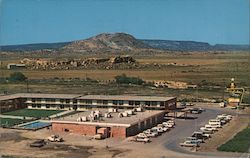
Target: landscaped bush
[240, 142]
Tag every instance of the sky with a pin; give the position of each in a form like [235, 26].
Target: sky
[47, 21]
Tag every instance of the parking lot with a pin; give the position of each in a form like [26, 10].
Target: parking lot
[185, 127]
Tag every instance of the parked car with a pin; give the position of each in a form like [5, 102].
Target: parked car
[222, 120]
[55, 138]
[206, 131]
[165, 129]
[215, 123]
[189, 144]
[194, 140]
[208, 128]
[201, 135]
[225, 117]
[142, 135]
[195, 111]
[142, 139]
[150, 134]
[158, 129]
[183, 104]
[189, 104]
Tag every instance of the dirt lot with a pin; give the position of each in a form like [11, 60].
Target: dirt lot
[16, 143]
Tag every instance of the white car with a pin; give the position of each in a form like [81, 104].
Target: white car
[149, 133]
[194, 140]
[169, 125]
[55, 138]
[206, 131]
[225, 117]
[213, 128]
[201, 135]
[142, 135]
[165, 129]
[157, 129]
[171, 121]
[189, 144]
[215, 123]
[142, 139]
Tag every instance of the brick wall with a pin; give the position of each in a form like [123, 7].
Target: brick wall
[145, 124]
[118, 132]
[74, 128]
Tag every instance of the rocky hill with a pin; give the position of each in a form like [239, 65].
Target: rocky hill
[107, 42]
[115, 42]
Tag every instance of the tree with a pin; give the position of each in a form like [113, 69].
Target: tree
[123, 79]
[17, 76]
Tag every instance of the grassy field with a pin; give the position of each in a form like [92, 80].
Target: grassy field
[32, 113]
[239, 143]
[8, 122]
[212, 67]
[215, 68]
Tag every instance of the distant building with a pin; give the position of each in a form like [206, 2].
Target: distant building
[13, 66]
[83, 102]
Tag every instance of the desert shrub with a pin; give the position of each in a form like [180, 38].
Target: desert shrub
[17, 77]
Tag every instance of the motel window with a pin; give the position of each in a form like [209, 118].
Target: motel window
[62, 100]
[131, 102]
[61, 106]
[82, 101]
[67, 101]
[137, 102]
[99, 101]
[147, 103]
[33, 100]
[105, 102]
[120, 102]
[38, 99]
[33, 105]
[88, 101]
[154, 103]
[39, 105]
[162, 103]
[47, 106]
[50, 100]
[115, 102]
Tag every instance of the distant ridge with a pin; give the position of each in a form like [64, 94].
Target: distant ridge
[192, 46]
[32, 47]
[124, 42]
